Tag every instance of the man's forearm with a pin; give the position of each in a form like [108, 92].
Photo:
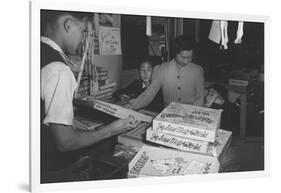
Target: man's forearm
[84, 139]
[69, 138]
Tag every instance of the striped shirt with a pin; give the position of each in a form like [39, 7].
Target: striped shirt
[183, 84]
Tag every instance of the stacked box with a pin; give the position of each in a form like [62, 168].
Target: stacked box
[177, 142]
[193, 122]
[105, 86]
[84, 88]
[193, 133]
[155, 161]
[216, 149]
[128, 148]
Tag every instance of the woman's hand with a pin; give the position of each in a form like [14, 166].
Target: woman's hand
[125, 98]
[129, 105]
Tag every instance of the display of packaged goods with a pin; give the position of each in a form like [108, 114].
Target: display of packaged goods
[101, 82]
[188, 121]
[103, 73]
[81, 89]
[102, 77]
[105, 95]
[120, 112]
[100, 69]
[86, 124]
[82, 94]
[113, 84]
[106, 98]
[101, 92]
[177, 142]
[134, 138]
[158, 161]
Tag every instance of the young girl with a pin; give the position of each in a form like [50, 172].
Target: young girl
[216, 98]
[138, 86]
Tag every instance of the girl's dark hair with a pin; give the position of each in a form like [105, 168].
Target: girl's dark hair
[222, 91]
[50, 17]
[151, 60]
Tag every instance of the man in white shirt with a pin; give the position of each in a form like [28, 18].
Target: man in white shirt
[62, 33]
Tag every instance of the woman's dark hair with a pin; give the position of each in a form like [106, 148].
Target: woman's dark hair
[183, 42]
[50, 17]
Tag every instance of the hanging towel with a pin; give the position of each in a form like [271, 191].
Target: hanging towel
[215, 33]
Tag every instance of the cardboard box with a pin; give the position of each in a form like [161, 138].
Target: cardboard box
[155, 161]
[221, 145]
[216, 149]
[120, 112]
[185, 144]
[188, 121]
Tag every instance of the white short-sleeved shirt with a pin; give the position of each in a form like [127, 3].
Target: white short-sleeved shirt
[57, 88]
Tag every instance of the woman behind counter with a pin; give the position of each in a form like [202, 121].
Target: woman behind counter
[139, 85]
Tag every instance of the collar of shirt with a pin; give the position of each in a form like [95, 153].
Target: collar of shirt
[56, 47]
[142, 85]
[51, 43]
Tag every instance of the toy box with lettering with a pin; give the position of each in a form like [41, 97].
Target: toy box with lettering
[120, 112]
[188, 121]
[158, 161]
[216, 149]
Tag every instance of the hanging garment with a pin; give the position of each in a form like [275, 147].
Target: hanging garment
[224, 36]
[239, 33]
[215, 33]
[218, 33]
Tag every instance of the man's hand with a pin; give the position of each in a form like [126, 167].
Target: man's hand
[122, 125]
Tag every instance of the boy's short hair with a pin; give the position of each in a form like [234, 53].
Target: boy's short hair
[50, 17]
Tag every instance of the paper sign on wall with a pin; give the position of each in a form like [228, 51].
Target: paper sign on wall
[109, 38]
